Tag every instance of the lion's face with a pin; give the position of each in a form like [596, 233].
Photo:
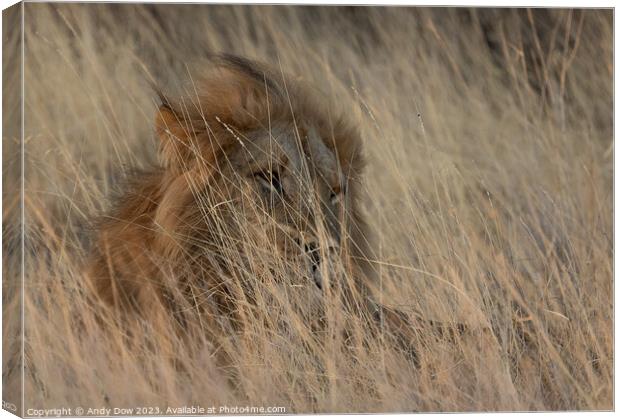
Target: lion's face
[262, 168]
[291, 186]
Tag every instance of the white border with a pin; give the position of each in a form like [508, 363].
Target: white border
[432, 3]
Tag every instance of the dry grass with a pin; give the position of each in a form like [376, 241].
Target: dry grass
[489, 187]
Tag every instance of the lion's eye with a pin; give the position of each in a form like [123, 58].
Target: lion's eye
[270, 180]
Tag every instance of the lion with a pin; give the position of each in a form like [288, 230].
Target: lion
[250, 161]
[258, 188]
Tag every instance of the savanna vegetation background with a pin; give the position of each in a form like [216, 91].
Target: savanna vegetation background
[488, 135]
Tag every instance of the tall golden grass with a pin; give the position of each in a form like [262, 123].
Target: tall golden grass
[488, 136]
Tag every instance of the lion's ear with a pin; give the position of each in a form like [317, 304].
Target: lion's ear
[176, 137]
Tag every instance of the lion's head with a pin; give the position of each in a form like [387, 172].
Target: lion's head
[258, 175]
